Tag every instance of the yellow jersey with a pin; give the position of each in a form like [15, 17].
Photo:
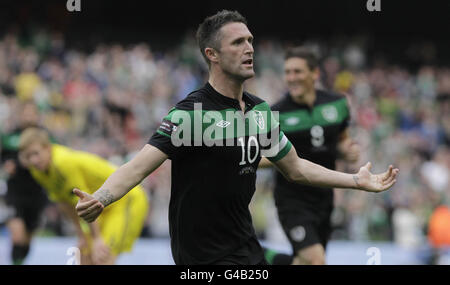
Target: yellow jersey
[121, 222]
[73, 169]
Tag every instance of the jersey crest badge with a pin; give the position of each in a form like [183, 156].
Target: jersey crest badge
[259, 119]
[330, 113]
[298, 233]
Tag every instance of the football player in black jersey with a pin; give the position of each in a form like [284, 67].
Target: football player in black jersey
[316, 122]
[212, 185]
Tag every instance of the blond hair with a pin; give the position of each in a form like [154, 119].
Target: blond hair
[33, 135]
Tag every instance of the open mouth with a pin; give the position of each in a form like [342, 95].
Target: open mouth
[248, 61]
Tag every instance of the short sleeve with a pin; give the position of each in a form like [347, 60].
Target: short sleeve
[164, 144]
[281, 149]
[163, 138]
[280, 145]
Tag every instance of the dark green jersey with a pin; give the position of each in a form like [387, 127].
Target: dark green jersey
[314, 132]
[215, 149]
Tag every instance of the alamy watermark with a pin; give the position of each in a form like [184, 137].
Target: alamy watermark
[374, 254]
[373, 5]
[73, 5]
[224, 128]
[75, 256]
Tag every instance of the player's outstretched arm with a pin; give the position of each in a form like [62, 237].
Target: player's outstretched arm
[119, 183]
[302, 171]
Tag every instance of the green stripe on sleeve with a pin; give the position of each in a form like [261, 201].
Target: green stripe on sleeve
[285, 146]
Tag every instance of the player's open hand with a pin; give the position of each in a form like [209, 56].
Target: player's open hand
[367, 181]
[87, 207]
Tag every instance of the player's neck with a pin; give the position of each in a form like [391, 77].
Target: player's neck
[227, 86]
[307, 98]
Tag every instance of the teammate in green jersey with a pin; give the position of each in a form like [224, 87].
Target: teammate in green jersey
[316, 122]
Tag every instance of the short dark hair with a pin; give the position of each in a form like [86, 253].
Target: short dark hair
[208, 31]
[304, 53]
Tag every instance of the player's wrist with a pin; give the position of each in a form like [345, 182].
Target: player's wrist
[357, 182]
[104, 196]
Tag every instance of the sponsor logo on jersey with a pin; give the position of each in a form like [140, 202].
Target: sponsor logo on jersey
[292, 121]
[223, 124]
[330, 113]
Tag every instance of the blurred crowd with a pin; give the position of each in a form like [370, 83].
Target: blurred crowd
[110, 100]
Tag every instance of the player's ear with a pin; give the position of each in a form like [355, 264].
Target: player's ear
[212, 54]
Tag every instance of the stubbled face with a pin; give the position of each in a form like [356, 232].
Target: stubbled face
[298, 77]
[37, 155]
[235, 56]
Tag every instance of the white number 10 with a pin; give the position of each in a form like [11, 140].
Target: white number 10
[250, 159]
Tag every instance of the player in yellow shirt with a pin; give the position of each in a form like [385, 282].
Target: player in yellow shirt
[60, 170]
